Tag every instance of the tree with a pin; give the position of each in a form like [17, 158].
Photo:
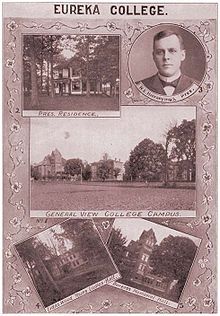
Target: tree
[33, 253]
[116, 245]
[182, 138]
[35, 173]
[84, 236]
[34, 86]
[116, 172]
[173, 258]
[128, 172]
[73, 166]
[97, 57]
[146, 161]
[87, 172]
[103, 170]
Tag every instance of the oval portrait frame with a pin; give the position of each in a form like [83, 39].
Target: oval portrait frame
[191, 42]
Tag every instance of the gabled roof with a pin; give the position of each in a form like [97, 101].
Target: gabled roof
[147, 234]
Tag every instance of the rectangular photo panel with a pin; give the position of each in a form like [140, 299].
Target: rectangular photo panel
[138, 166]
[154, 260]
[66, 261]
[70, 75]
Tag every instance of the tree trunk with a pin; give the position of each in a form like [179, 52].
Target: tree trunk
[51, 68]
[48, 77]
[34, 87]
[95, 87]
[45, 273]
[166, 163]
[41, 66]
[87, 87]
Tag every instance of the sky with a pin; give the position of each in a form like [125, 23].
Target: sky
[132, 229]
[88, 139]
[47, 237]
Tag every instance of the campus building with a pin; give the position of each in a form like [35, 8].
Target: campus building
[68, 80]
[115, 169]
[65, 263]
[181, 171]
[137, 267]
[51, 165]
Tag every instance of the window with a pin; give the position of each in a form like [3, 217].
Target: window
[65, 73]
[75, 85]
[141, 267]
[144, 257]
[148, 280]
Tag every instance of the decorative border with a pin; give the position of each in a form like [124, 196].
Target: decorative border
[17, 294]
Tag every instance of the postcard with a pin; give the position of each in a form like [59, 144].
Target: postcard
[109, 157]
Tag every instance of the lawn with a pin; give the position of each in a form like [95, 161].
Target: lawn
[75, 103]
[89, 196]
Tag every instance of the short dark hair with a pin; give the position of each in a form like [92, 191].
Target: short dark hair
[166, 33]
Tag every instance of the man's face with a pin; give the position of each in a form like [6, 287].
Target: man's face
[168, 55]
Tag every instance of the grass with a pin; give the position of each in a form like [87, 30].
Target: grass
[74, 103]
[109, 196]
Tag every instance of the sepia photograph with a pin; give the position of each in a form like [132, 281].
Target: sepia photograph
[71, 72]
[145, 161]
[154, 260]
[173, 61]
[66, 259]
[109, 157]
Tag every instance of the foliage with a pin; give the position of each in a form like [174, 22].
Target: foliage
[116, 245]
[182, 140]
[73, 166]
[84, 236]
[95, 56]
[35, 173]
[103, 170]
[87, 172]
[39, 53]
[34, 254]
[173, 258]
[116, 172]
[128, 171]
[146, 161]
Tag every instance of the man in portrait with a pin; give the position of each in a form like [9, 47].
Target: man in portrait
[168, 55]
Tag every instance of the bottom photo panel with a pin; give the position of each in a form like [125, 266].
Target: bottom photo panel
[154, 260]
[67, 261]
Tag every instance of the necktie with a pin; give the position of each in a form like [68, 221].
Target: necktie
[170, 84]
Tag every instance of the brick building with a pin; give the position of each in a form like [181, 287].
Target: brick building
[116, 169]
[51, 165]
[137, 267]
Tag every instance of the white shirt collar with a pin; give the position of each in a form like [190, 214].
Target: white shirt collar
[170, 79]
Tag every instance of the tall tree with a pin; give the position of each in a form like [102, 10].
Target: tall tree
[117, 245]
[73, 167]
[33, 68]
[116, 172]
[146, 161]
[128, 171]
[87, 172]
[173, 258]
[182, 138]
[34, 251]
[103, 170]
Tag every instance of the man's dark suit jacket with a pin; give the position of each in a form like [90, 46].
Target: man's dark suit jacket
[154, 84]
